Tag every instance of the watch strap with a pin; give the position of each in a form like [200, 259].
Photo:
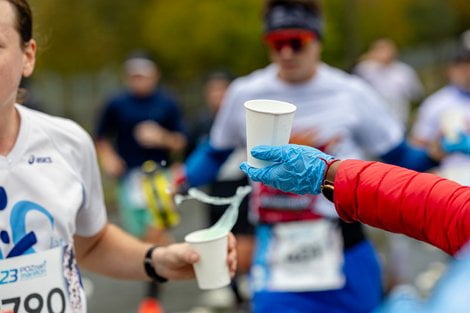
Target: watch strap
[327, 187]
[149, 269]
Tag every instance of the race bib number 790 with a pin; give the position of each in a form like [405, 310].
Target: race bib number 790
[44, 282]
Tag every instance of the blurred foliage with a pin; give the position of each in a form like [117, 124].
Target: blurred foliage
[84, 35]
[352, 24]
[192, 37]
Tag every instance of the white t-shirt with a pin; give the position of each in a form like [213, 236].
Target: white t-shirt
[397, 82]
[333, 104]
[428, 125]
[49, 184]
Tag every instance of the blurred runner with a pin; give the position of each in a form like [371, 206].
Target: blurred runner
[137, 133]
[447, 112]
[395, 80]
[398, 83]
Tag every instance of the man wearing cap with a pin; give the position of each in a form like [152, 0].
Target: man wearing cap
[144, 120]
[141, 123]
[306, 259]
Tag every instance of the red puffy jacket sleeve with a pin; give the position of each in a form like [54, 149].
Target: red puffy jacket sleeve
[420, 205]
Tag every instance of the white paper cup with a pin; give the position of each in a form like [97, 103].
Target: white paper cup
[268, 122]
[211, 270]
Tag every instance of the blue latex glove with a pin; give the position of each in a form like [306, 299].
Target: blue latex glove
[461, 145]
[298, 169]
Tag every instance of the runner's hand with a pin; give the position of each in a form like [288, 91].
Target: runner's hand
[176, 261]
[150, 134]
[298, 169]
[461, 145]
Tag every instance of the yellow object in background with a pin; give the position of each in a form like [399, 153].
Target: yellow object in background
[156, 186]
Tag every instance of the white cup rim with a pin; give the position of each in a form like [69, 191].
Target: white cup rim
[261, 106]
[189, 240]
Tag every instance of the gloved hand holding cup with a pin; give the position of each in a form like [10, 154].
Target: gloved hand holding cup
[268, 122]
[294, 168]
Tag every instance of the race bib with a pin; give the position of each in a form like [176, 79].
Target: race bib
[306, 256]
[43, 282]
[272, 205]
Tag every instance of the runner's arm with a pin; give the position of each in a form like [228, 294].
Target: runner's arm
[114, 253]
[204, 163]
[411, 157]
[113, 165]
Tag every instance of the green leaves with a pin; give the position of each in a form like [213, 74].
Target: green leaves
[192, 37]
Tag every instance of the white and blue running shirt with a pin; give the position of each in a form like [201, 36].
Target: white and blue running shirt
[50, 186]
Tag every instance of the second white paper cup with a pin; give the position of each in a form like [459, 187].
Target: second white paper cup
[211, 270]
[268, 122]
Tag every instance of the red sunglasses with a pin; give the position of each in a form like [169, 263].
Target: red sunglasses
[294, 39]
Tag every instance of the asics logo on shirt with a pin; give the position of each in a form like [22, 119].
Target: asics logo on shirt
[33, 159]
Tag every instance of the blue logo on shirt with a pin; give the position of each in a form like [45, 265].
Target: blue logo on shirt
[23, 242]
[33, 159]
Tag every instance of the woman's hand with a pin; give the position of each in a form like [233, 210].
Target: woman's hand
[176, 261]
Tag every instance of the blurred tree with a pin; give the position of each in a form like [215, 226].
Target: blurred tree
[353, 24]
[77, 36]
[341, 43]
[430, 20]
[461, 9]
[192, 37]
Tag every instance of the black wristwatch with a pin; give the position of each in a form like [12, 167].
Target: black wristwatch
[150, 270]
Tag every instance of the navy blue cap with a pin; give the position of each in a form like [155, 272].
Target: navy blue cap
[294, 16]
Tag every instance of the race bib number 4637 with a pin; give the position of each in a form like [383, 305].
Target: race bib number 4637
[43, 282]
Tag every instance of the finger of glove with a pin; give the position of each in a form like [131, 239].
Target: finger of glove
[268, 153]
[252, 172]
